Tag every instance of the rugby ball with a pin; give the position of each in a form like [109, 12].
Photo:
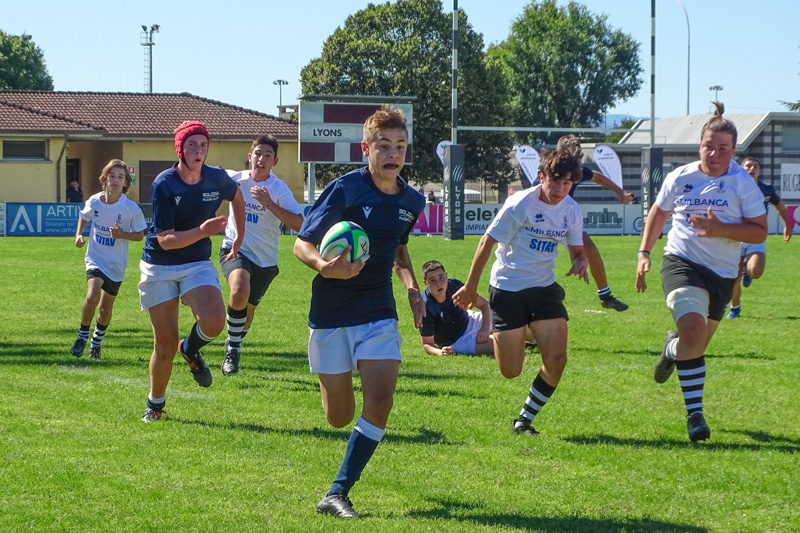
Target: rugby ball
[340, 236]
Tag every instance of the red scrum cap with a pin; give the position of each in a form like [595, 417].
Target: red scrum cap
[186, 130]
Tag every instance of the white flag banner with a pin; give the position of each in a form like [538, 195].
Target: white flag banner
[607, 161]
[528, 159]
[440, 149]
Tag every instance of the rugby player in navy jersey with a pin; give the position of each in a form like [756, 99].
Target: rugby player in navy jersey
[353, 317]
[175, 261]
[754, 256]
[523, 292]
[714, 206]
[446, 328]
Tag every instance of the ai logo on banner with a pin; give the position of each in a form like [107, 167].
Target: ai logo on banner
[22, 222]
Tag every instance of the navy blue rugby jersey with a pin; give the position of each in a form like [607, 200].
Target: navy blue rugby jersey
[771, 196]
[586, 175]
[179, 206]
[387, 220]
[446, 321]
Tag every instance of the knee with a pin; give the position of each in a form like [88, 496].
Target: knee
[105, 313]
[212, 325]
[510, 372]
[756, 271]
[555, 362]
[509, 367]
[693, 332]
[165, 349]
[339, 418]
[239, 297]
[93, 299]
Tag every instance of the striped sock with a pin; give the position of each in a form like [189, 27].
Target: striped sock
[83, 333]
[539, 394]
[672, 349]
[236, 319]
[603, 293]
[99, 334]
[196, 340]
[692, 377]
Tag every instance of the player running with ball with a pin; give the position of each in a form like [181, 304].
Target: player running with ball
[353, 317]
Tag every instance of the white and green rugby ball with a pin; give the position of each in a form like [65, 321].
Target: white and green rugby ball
[340, 236]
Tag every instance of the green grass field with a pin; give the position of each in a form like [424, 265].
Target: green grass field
[254, 452]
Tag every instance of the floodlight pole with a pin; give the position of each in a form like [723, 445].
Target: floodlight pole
[688, 54]
[147, 40]
[280, 84]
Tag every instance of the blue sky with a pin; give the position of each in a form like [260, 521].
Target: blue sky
[232, 51]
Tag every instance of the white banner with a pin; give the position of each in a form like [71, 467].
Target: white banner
[607, 160]
[790, 181]
[528, 159]
[440, 149]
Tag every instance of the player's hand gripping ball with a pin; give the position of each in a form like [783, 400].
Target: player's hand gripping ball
[340, 236]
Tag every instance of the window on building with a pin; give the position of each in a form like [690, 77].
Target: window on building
[36, 150]
[791, 138]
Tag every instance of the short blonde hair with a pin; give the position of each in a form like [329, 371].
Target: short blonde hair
[115, 163]
[385, 118]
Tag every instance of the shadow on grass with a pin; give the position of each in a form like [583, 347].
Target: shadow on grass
[422, 435]
[763, 436]
[750, 354]
[793, 447]
[456, 510]
[790, 317]
[438, 393]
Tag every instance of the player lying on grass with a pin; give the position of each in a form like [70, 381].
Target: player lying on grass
[446, 328]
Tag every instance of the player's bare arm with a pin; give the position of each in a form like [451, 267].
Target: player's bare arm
[656, 219]
[79, 241]
[118, 233]
[405, 271]
[292, 220]
[338, 268]
[623, 196]
[580, 264]
[787, 225]
[171, 239]
[466, 296]
[430, 347]
[752, 230]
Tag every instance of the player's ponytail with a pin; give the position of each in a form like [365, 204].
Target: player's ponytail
[719, 124]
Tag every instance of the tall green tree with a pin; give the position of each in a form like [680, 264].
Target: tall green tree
[22, 64]
[404, 49]
[565, 66]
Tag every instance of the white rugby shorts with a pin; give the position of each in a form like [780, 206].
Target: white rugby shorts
[161, 283]
[749, 248]
[466, 342]
[338, 350]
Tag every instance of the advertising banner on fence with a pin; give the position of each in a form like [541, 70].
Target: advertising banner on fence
[49, 220]
[790, 181]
